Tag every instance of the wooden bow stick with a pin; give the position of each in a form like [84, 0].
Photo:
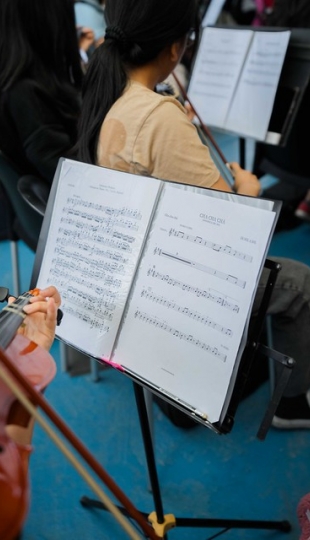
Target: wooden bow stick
[206, 132]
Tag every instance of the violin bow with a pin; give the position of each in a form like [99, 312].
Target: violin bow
[21, 388]
[206, 132]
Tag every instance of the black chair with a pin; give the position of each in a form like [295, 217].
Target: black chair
[22, 221]
[289, 162]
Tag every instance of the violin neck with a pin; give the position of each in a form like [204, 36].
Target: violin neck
[11, 318]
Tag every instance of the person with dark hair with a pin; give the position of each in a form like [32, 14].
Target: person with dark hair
[140, 51]
[126, 125]
[291, 158]
[296, 15]
[286, 13]
[40, 83]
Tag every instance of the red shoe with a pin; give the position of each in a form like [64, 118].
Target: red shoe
[303, 514]
[303, 210]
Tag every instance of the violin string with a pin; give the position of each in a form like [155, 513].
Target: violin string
[11, 318]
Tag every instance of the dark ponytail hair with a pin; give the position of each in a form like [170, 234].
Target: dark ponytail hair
[137, 31]
[38, 40]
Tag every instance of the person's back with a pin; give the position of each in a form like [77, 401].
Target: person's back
[133, 120]
[34, 132]
[292, 158]
[40, 79]
[294, 14]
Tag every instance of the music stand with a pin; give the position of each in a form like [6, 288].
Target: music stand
[161, 522]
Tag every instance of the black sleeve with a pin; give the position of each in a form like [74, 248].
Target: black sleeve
[41, 128]
[288, 13]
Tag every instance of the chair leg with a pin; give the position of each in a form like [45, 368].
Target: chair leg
[66, 361]
[94, 369]
[63, 357]
[15, 267]
[270, 361]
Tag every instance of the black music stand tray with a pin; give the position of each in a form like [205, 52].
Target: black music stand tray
[163, 523]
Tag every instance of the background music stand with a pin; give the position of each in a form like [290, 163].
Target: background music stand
[290, 111]
[290, 105]
[163, 523]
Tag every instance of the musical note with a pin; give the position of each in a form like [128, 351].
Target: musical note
[193, 314]
[154, 321]
[124, 211]
[221, 300]
[227, 250]
[92, 321]
[214, 272]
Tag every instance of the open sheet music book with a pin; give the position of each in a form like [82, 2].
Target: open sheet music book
[235, 78]
[157, 278]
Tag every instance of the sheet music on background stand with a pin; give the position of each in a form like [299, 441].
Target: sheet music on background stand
[293, 81]
[212, 12]
[235, 76]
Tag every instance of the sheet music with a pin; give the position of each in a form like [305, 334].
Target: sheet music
[235, 78]
[219, 60]
[213, 12]
[97, 229]
[192, 296]
[252, 105]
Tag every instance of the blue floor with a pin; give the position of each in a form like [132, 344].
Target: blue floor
[201, 474]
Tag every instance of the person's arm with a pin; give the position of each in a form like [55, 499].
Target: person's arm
[86, 37]
[40, 323]
[246, 183]
[179, 154]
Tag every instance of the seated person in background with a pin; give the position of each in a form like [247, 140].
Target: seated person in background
[90, 13]
[126, 125]
[286, 13]
[86, 39]
[295, 15]
[241, 11]
[293, 157]
[40, 82]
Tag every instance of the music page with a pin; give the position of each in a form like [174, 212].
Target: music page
[192, 296]
[235, 78]
[217, 68]
[213, 12]
[252, 105]
[97, 228]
